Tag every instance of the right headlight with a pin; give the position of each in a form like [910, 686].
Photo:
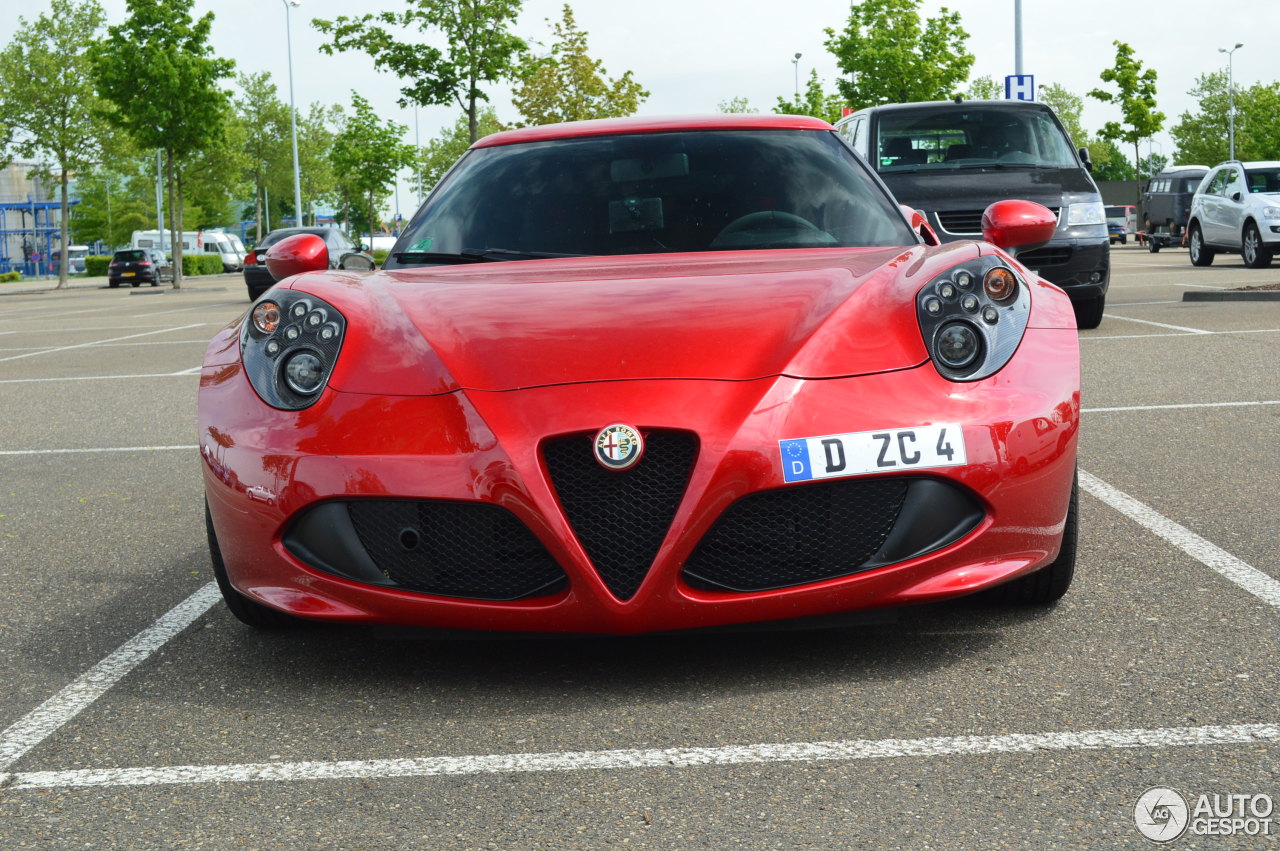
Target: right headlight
[289, 345]
[972, 318]
[1088, 213]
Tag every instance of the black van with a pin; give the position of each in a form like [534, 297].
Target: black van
[951, 159]
[1167, 203]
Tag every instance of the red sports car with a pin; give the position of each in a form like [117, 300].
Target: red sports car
[635, 375]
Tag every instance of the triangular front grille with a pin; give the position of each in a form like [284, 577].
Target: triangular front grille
[621, 518]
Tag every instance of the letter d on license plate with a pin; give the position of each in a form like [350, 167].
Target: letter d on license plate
[861, 452]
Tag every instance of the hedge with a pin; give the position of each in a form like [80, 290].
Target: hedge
[96, 266]
[10, 276]
[380, 257]
[201, 264]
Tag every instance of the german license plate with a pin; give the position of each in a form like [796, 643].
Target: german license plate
[127, 274]
[883, 451]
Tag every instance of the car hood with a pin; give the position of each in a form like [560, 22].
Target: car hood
[975, 188]
[734, 316]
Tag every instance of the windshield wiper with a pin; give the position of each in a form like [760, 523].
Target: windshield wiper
[475, 255]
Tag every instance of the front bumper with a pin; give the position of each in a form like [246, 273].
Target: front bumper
[265, 469]
[1081, 266]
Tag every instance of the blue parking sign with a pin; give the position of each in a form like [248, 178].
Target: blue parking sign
[1020, 87]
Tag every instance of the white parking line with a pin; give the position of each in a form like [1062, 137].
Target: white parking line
[102, 449]
[1176, 407]
[99, 328]
[98, 342]
[43, 721]
[115, 345]
[1084, 337]
[667, 758]
[98, 377]
[241, 303]
[1210, 555]
[1158, 324]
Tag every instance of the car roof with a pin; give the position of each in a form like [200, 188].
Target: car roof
[950, 106]
[652, 124]
[1251, 164]
[1174, 170]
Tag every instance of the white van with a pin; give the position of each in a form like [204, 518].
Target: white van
[226, 245]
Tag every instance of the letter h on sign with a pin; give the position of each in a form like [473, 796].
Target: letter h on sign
[1020, 87]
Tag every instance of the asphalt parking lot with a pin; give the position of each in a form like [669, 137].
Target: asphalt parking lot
[140, 714]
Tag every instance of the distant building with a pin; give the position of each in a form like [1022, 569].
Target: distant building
[29, 221]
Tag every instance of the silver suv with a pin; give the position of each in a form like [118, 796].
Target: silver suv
[1236, 210]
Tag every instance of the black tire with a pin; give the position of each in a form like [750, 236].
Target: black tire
[134, 283]
[155, 283]
[1256, 254]
[255, 293]
[246, 611]
[113, 284]
[1201, 254]
[1152, 245]
[1089, 311]
[1124, 240]
[1049, 583]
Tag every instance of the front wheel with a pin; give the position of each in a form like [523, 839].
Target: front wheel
[1201, 254]
[1089, 311]
[1256, 255]
[1124, 240]
[1049, 583]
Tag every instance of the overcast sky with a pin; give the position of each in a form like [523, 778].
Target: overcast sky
[692, 54]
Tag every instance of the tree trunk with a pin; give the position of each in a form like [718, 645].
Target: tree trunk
[1137, 177]
[257, 210]
[177, 275]
[471, 112]
[64, 256]
[371, 218]
[175, 223]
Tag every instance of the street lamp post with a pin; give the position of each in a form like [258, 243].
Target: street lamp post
[796, 63]
[1231, 99]
[293, 116]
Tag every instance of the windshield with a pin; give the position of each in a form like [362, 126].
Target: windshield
[652, 193]
[1263, 179]
[939, 139]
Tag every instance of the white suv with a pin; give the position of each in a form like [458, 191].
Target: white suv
[1236, 210]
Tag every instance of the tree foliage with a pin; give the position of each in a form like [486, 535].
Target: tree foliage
[895, 58]
[568, 85]
[1069, 107]
[47, 103]
[366, 156]
[439, 154]
[263, 121]
[316, 132]
[1135, 94]
[984, 88]
[479, 48]
[160, 72]
[814, 101]
[736, 105]
[1202, 136]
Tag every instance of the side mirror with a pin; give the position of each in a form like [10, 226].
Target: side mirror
[920, 225]
[303, 252]
[364, 246]
[1018, 226]
[1084, 157]
[1235, 196]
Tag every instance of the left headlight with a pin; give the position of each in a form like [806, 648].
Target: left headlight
[289, 344]
[972, 318]
[1089, 213]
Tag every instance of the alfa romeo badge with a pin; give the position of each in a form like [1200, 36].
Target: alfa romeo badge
[618, 447]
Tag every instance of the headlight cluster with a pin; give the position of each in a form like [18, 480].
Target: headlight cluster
[972, 318]
[289, 345]
[1087, 213]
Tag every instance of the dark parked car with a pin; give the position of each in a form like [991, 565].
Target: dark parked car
[343, 254]
[950, 160]
[138, 266]
[1168, 204]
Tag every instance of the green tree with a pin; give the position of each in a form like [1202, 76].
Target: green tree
[984, 88]
[366, 156]
[1202, 135]
[479, 48]
[1109, 162]
[316, 131]
[892, 58]
[114, 200]
[734, 106]
[160, 72]
[568, 85]
[814, 101]
[439, 155]
[47, 103]
[263, 121]
[1135, 94]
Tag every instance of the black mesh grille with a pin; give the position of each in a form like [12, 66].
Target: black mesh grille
[455, 549]
[778, 538]
[621, 518]
[1051, 256]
